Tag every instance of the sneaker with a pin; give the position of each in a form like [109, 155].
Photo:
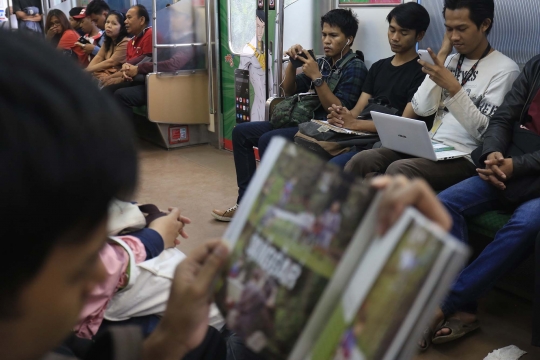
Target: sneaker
[224, 215]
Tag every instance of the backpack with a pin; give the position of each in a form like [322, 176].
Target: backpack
[298, 109]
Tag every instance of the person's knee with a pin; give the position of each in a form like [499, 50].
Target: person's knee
[362, 163]
[401, 167]
[238, 132]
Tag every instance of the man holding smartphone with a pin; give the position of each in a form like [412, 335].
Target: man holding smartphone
[338, 28]
[463, 90]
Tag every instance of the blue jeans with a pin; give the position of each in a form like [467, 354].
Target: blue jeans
[244, 137]
[343, 159]
[512, 244]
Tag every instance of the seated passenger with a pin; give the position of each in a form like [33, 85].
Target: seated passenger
[69, 166]
[144, 244]
[139, 48]
[395, 79]
[507, 180]
[464, 92]
[76, 23]
[112, 54]
[60, 33]
[29, 16]
[92, 35]
[339, 28]
[134, 92]
[97, 11]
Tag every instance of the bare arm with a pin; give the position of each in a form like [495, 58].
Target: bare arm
[289, 83]
[409, 112]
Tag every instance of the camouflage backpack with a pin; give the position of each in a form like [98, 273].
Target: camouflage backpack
[298, 109]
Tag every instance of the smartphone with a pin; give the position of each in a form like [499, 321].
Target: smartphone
[297, 63]
[424, 55]
[83, 40]
[241, 83]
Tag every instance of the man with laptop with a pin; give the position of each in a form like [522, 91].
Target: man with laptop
[463, 90]
[395, 79]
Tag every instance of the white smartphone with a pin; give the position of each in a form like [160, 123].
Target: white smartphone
[424, 55]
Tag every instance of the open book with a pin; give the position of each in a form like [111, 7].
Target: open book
[303, 244]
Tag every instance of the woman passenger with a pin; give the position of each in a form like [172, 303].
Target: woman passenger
[112, 54]
[59, 31]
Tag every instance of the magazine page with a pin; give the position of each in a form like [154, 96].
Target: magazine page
[401, 278]
[295, 224]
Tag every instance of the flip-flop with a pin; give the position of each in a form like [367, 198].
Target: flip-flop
[427, 336]
[458, 329]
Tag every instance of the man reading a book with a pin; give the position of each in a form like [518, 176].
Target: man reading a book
[463, 90]
[508, 166]
[339, 67]
[395, 79]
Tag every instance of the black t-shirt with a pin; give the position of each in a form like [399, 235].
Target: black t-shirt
[396, 83]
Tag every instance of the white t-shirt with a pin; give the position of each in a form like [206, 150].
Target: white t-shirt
[462, 120]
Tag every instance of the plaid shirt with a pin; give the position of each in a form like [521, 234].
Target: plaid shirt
[349, 87]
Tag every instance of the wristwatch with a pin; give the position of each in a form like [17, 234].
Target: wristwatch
[318, 82]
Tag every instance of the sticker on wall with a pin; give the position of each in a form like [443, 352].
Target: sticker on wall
[178, 134]
[253, 62]
[230, 59]
[260, 4]
[271, 4]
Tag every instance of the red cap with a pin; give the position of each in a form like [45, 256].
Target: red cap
[81, 15]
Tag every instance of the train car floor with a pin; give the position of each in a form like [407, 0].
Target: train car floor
[200, 178]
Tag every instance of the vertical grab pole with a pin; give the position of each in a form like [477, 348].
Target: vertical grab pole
[154, 35]
[44, 10]
[278, 48]
[210, 55]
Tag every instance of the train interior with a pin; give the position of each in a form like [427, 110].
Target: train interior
[185, 129]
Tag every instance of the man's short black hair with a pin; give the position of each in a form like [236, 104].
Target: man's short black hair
[261, 15]
[97, 7]
[141, 11]
[480, 10]
[410, 16]
[346, 20]
[66, 150]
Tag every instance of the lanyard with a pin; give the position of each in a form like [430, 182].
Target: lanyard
[467, 76]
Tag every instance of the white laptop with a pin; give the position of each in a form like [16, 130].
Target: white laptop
[411, 137]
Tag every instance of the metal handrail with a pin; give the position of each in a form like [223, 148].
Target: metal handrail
[162, 46]
[154, 35]
[278, 49]
[210, 55]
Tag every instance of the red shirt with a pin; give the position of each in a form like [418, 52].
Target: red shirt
[68, 40]
[140, 45]
[534, 113]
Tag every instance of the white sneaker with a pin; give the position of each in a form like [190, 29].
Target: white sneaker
[226, 215]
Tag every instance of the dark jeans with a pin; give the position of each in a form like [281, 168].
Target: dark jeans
[439, 174]
[244, 137]
[343, 159]
[130, 96]
[512, 244]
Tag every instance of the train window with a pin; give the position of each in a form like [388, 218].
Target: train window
[241, 23]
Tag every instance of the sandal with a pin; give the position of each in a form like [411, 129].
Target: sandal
[427, 336]
[458, 329]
